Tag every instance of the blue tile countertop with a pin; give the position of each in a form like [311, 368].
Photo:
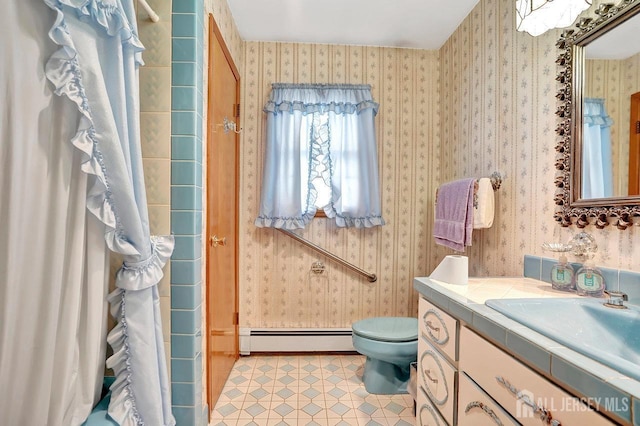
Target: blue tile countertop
[610, 390]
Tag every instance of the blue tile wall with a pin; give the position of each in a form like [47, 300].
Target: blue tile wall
[545, 272]
[630, 284]
[532, 265]
[186, 297]
[183, 370]
[184, 346]
[186, 272]
[183, 172]
[186, 197]
[184, 24]
[616, 279]
[186, 6]
[183, 148]
[611, 278]
[184, 74]
[187, 85]
[182, 97]
[186, 223]
[183, 123]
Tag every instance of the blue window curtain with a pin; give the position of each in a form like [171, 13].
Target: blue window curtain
[320, 133]
[597, 163]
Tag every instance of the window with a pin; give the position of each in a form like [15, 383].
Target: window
[321, 153]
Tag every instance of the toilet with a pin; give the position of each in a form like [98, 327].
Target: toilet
[390, 345]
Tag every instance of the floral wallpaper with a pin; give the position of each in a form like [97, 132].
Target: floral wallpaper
[498, 113]
[484, 102]
[277, 288]
[224, 20]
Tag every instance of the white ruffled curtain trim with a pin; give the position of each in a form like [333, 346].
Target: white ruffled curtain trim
[138, 278]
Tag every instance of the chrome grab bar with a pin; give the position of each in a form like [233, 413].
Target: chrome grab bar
[371, 277]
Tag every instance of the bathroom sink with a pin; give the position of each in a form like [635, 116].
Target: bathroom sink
[608, 335]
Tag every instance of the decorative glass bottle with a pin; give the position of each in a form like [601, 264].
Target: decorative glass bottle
[589, 281]
[562, 273]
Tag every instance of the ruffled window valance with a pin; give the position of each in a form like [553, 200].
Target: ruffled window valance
[320, 138]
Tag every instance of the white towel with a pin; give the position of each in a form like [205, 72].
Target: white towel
[483, 211]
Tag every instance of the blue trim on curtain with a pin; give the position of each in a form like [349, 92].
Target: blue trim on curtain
[332, 125]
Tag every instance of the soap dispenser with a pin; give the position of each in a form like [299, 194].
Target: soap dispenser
[562, 273]
[589, 281]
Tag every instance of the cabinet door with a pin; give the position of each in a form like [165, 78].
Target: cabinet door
[527, 396]
[426, 414]
[475, 407]
[437, 378]
[439, 328]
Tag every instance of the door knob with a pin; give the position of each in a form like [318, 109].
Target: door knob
[215, 241]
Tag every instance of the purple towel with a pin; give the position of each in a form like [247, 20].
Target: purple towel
[454, 214]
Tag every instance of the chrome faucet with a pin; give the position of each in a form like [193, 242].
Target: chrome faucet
[616, 299]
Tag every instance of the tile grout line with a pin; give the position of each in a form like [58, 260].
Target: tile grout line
[320, 390]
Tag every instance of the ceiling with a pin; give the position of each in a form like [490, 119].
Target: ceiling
[420, 24]
[618, 43]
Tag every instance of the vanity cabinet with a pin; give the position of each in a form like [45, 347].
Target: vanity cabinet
[426, 414]
[464, 379]
[523, 393]
[437, 365]
[478, 408]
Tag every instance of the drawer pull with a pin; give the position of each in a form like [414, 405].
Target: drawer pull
[431, 328]
[426, 373]
[485, 408]
[542, 413]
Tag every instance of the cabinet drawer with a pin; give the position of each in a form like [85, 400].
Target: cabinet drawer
[517, 388]
[438, 379]
[439, 328]
[475, 407]
[426, 414]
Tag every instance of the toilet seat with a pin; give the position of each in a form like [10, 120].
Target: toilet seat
[387, 329]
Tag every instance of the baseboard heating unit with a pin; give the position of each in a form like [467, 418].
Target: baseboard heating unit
[295, 340]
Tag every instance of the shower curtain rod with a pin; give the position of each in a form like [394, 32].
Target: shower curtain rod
[152, 14]
[371, 277]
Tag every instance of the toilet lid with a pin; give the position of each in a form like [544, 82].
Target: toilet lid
[387, 329]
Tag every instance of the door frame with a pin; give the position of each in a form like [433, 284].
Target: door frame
[214, 31]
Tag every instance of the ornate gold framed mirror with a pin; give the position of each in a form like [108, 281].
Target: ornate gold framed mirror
[598, 153]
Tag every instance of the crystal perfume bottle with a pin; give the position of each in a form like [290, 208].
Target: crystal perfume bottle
[562, 273]
[589, 281]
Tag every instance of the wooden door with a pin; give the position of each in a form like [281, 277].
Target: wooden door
[222, 214]
[634, 145]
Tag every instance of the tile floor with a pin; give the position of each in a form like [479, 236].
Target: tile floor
[324, 390]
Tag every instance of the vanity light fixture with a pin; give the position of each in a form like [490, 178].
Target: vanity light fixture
[539, 16]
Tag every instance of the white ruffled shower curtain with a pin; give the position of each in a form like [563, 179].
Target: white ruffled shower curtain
[597, 161]
[71, 188]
